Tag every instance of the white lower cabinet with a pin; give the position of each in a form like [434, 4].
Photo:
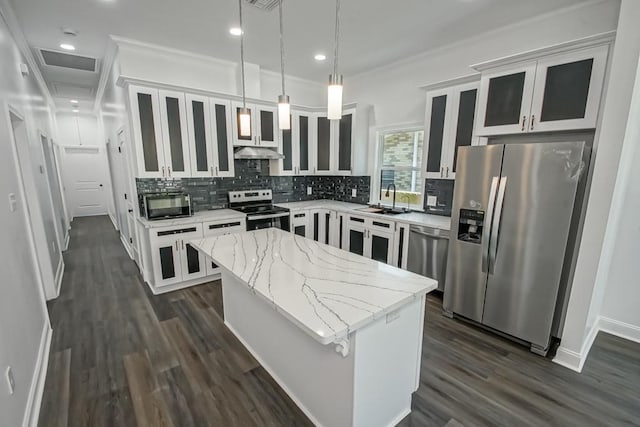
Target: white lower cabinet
[325, 226]
[300, 223]
[219, 228]
[401, 245]
[173, 259]
[369, 237]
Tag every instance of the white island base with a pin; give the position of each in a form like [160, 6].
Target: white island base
[371, 385]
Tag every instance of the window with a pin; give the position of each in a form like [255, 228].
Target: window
[400, 163]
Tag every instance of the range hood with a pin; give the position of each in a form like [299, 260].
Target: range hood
[257, 153]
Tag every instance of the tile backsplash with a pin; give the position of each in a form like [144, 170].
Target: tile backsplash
[211, 193]
[442, 189]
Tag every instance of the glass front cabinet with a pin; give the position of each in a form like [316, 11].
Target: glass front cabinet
[557, 92]
[296, 144]
[372, 238]
[449, 121]
[333, 153]
[174, 259]
[264, 125]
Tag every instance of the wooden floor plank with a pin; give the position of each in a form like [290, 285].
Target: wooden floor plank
[121, 356]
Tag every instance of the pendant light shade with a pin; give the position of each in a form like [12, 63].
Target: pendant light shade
[334, 98]
[284, 108]
[244, 117]
[244, 114]
[284, 112]
[334, 92]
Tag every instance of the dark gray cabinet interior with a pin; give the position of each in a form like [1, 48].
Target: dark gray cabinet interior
[356, 242]
[303, 123]
[344, 142]
[323, 154]
[175, 134]
[316, 226]
[267, 131]
[566, 91]
[300, 230]
[287, 149]
[199, 136]
[464, 127]
[193, 259]
[148, 134]
[222, 137]
[379, 248]
[436, 133]
[167, 266]
[504, 99]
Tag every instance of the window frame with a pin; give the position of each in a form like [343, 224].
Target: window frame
[379, 167]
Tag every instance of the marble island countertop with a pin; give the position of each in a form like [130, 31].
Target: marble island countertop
[324, 290]
[417, 218]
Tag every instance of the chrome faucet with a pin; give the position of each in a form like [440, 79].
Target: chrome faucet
[393, 207]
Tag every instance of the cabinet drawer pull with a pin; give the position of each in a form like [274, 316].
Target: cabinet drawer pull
[168, 170]
[447, 171]
[381, 224]
[211, 170]
[176, 245]
[524, 120]
[356, 219]
[217, 173]
[163, 171]
[182, 241]
[533, 120]
[441, 172]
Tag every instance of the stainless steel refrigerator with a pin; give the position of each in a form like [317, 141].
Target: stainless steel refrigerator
[513, 208]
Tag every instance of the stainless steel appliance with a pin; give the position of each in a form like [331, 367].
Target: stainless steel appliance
[428, 253]
[513, 208]
[167, 205]
[261, 213]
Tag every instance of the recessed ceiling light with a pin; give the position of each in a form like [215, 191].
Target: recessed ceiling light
[67, 46]
[320, 57]
[73, 101]
[236, 31]
[75, 110]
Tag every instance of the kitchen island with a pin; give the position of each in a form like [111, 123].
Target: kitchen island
[340, 333]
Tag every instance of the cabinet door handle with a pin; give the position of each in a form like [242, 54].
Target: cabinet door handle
[182, 241]
[177, 248]
[211, 168]
[163, 171]
[524, 120]
[533, 120]
[441, 172]
[168, 171]
[447, 171]
[216, 171]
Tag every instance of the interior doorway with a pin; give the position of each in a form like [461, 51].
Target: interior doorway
[86, 180]
[55, 189]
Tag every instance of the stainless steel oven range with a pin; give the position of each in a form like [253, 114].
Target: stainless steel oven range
[261, 213]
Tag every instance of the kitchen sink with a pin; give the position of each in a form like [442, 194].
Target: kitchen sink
[383, 210]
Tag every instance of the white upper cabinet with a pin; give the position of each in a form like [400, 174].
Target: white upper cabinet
[264, 126]
[449, 123]
[296, 144]
[173, 119]
[334, 144]
[208, 121]
[324, 151]
[558, 92]
[145, 117]
[344, 142]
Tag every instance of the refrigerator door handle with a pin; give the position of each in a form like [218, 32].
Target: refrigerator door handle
[486, 234]
[495, 228]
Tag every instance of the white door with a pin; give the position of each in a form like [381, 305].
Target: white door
[85, 178]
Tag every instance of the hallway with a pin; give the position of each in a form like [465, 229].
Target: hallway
[123, 357]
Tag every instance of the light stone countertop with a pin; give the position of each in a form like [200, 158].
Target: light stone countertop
[202, 216]
[417, 218]
[326, 291]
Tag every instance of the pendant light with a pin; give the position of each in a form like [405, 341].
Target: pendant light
[284, 108]
[244, 114]
[334, 98]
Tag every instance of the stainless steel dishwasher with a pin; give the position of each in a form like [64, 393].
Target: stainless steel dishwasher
[427, 252]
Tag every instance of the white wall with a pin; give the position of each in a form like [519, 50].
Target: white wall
[169, 66]
[394, 91]
[589, 284]
[23, 315]
[622, 241]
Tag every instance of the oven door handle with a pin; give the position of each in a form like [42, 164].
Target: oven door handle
[268, 216]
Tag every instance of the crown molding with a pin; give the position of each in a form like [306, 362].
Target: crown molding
[292, 78]
[585, 42]
[469, 78]
[18, 37]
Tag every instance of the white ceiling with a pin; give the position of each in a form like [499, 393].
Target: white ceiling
[373, 32]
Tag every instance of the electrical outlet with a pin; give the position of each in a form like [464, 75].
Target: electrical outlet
[309, 191]
[354, 192]
[12, 202]
[432, 201]
[11, 383]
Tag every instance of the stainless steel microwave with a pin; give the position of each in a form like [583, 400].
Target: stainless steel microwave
[168, 205]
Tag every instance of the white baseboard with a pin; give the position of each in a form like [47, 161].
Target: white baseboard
[34, 400]
[619, 329]
[575, 361]
[127, 246]
[182, 285]
[58, 277]
[113, 221]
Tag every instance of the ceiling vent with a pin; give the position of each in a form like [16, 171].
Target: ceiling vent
[66, 60]
[266, 5]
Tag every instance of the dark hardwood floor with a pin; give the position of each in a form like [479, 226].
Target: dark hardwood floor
[123, 357]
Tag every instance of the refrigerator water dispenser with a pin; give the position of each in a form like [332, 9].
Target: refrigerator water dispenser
[470, 226]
